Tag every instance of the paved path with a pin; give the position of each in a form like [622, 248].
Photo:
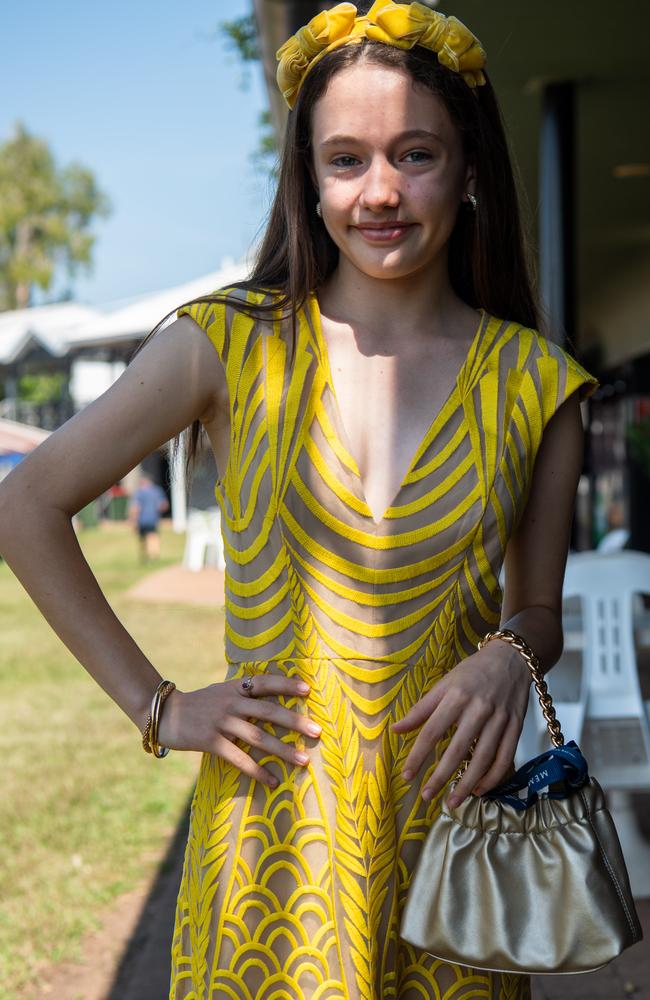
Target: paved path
[177, 585]
[626, 978]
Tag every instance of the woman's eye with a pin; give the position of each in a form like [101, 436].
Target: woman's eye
[337, 161]
[419, 154]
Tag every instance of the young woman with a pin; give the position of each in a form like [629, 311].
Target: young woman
[390, 430]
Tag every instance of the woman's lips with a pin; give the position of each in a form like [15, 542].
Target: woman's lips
[383, 234]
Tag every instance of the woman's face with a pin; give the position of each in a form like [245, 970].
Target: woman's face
[390, 170]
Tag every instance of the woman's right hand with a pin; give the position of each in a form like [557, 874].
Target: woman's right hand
[211, 718]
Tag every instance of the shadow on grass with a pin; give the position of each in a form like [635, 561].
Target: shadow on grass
[144, 969]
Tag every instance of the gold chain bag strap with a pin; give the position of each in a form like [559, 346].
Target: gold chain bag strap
[528, 877]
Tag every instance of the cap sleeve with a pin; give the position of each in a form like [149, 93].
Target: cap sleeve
[211, 317]
[551, 376]
[571, 376]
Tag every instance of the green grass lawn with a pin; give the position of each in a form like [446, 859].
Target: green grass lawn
[84, 812]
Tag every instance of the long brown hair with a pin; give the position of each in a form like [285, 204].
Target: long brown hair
[488, 266]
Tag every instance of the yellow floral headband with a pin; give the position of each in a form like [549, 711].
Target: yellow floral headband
[392, 23]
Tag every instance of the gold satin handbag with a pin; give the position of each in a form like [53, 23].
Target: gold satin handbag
[528, 877]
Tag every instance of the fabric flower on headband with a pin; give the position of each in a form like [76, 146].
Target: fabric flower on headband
[401, 25]
[312, 41]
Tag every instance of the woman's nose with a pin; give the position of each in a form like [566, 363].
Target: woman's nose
[381, 186]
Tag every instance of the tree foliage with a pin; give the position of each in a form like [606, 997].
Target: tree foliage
[243, 37]
[45, 215]
[242, 32]
[44, 388]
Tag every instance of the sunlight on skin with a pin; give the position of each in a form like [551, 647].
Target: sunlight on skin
[391, 176]
[386, 150]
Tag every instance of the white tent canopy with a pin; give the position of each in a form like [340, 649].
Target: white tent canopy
[64, 326]
[138, 317]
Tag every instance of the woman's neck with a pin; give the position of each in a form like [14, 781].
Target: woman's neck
[423, 303]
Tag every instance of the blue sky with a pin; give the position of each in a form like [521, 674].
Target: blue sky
[148, 96]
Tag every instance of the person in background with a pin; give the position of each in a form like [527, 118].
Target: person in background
[147, 505]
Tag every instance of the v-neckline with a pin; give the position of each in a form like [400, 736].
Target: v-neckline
[341, 428]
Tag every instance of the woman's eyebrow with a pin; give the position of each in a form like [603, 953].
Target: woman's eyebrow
[415, 133]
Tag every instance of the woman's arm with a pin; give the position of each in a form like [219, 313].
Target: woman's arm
[486, 695]
[536, 555]
[176, 378]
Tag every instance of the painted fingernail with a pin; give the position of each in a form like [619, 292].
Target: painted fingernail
[314, 728]
[302, 758]
[303, 688]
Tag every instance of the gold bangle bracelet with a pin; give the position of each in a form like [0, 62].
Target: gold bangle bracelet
[161, 694]
[150, 731]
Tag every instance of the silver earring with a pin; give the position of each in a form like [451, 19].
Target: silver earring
[472, 199]
[319, 212]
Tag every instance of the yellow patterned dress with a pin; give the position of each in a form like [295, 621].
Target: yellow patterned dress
[296, 893]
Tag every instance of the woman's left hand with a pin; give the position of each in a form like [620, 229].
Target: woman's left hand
[486, 695]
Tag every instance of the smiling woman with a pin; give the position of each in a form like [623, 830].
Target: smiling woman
[395, 429]
[390, 431]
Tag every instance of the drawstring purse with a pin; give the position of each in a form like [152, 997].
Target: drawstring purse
[528, 877]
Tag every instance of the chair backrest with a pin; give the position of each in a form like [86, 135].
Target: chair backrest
[616, 735]
[614, 540]
[607, 585]
[213, 520]
[196, 518]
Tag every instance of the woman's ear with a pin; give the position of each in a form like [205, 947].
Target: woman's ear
[470, 181]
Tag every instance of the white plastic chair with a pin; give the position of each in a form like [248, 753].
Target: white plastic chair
[616, 738]
[595, 685]
[598, 700]
[203, 540]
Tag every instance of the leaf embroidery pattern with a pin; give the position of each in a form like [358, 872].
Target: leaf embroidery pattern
[212, 806]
